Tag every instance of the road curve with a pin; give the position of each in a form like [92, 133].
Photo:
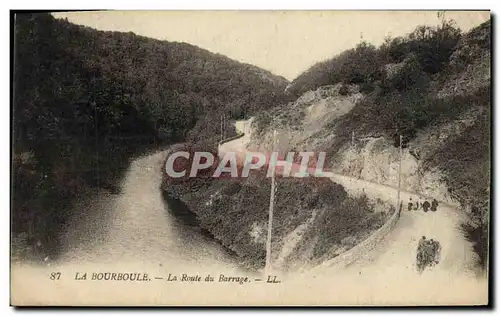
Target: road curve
[398, 250]
[399, 246]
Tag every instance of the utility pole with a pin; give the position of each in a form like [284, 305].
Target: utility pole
[97, 149]
[221, 123]
[399, 170]
[352, 148]
[271, 209]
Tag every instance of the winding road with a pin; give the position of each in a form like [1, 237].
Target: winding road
[399, 247]
[133, 231]
[396, 253]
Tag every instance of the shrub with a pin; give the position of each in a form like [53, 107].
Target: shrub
[408, 75]
[354, 219]
[477, 234]
[472, 46]
[344, 90]
[367, 87]
[433, 46]
[355, 66]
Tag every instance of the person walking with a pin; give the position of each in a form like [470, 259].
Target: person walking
[434, 205]
[425, 206]
[410, 205]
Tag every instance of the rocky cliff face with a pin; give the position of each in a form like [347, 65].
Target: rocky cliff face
[304, 123]
[376, 160]
[459, 95]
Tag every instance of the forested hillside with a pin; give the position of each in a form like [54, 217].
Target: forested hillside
[432, 86]
[85, 101]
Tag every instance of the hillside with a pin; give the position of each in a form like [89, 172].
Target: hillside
[432, 87]
[235, 212]
[86, 101]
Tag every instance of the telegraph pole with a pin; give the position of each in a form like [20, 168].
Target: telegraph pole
[225, 125]
[399, 170]
[221, 123]
[271, 209]
[97, 149]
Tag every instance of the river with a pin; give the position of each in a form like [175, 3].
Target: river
[136, 225]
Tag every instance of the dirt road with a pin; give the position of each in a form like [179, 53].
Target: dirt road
[399, 247]
[134, 232]
[398, 250]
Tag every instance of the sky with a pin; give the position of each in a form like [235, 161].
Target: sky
[283, 42]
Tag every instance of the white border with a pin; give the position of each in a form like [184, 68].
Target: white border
[257, 5]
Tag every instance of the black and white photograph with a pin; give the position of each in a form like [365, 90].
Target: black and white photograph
[250, 158]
